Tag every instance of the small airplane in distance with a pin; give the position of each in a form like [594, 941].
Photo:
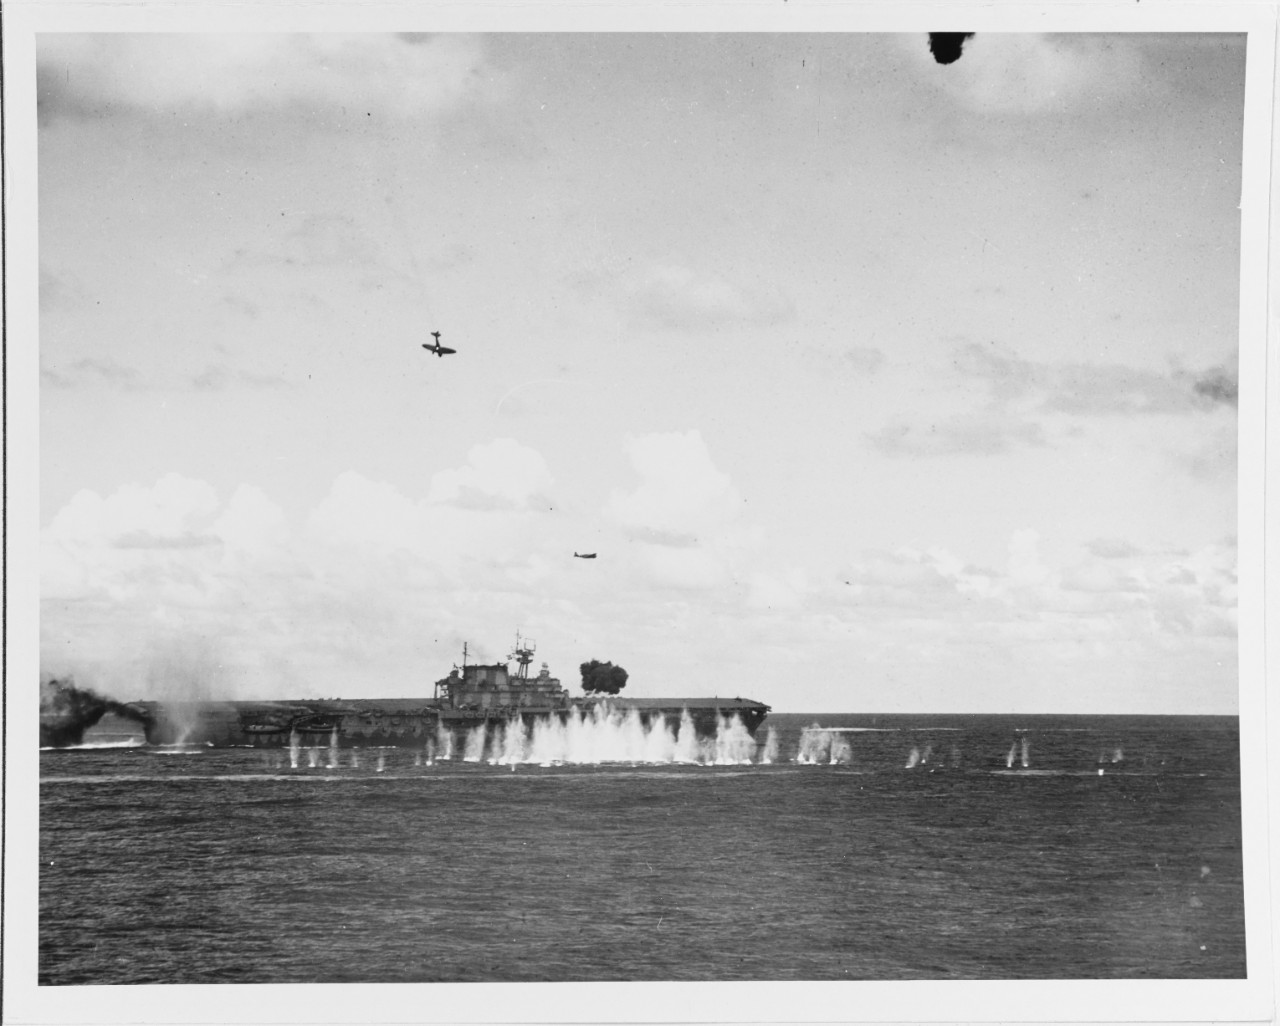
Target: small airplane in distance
[438, 349]
[585, 555]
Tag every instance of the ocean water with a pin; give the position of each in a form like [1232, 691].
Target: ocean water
[875, 848]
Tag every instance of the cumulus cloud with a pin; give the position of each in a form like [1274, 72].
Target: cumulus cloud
[252, 523]
[382, 75]
[681, 491]
[685, 516]
[176, 507]
[226, 594]
[931, 605]
[372, 515]
[351, 589]
[502, 473]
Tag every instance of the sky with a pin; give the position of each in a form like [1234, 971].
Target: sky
[876, 385]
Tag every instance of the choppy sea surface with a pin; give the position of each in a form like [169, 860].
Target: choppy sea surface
[878, 847]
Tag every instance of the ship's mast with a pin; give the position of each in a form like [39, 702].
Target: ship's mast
[523, 655]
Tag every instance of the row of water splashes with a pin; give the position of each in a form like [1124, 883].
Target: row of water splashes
[581, 739]
[599, 737]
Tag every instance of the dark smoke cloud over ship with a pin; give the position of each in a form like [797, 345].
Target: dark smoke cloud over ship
[67, 711]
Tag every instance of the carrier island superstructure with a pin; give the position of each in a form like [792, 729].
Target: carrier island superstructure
[472, 695]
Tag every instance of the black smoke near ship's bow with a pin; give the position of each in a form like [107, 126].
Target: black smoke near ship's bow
[67, 711]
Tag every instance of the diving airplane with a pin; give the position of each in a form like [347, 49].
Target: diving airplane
[585, 555]
[438, 349]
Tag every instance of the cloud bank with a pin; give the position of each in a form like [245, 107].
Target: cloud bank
[373, 75]
[1017, 396]
[155, 589]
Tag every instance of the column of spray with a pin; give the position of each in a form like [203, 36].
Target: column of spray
[770, 754]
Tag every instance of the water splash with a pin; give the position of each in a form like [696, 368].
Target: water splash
[333, 749]
[734, 745]
[1013, 754]
[444, 742]
[473, 748]
[382, 762]
[1026, 754]
[815, 746]
[313, 757]
[819, 745]
[770, 754]
[294, 749]
[913, 758]
[604, 734]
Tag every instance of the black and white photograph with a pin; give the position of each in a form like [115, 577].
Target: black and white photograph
[658, 504]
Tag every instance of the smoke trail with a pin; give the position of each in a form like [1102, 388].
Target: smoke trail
[67, 711]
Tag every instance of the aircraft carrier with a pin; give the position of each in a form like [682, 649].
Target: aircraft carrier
[472, 695]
